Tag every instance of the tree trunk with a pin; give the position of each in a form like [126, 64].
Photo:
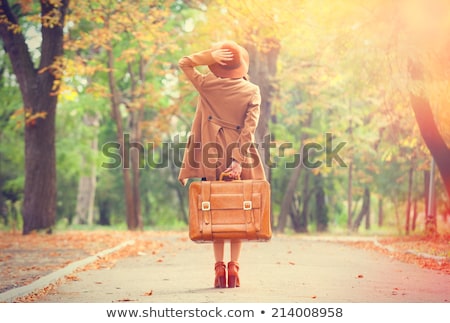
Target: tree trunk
[426, 190]
[430, 205]
[350, 173]
[368, 222]
[414, 219]
[104, 209]
[294, 213]
[429, 129]
[397, 217]
[409, 201]
[380, 212]
[350, 196]
[288, 198]
[132, 221]
[136, 116]
[289, 194]
[321, 206]
[365, 209]
[263, 69]
[305, 203]
[135, 169]
[39, 94]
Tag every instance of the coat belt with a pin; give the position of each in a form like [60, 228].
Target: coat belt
[224, 124]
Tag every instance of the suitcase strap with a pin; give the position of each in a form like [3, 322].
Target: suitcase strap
[206, 210]
[251, 224]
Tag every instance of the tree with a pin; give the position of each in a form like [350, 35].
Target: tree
[427, 29]
[365, 210]
[430, 131]
[119, 46]
[39, 88]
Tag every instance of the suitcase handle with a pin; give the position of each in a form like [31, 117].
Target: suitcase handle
[224, 174]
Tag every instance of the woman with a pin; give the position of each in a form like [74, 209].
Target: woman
[222, 133]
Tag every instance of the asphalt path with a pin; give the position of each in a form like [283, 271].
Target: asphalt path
[288, 269]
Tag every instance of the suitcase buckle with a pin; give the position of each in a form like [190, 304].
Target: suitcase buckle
[247, 205]
[206, 206]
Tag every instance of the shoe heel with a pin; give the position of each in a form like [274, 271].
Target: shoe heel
[232, 281]
[233, 275]
[221, 282]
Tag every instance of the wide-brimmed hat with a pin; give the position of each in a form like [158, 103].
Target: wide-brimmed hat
[237, 67]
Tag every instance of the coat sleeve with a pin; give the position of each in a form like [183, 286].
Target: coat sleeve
[247, 135]
[188, 64]
[189, 161]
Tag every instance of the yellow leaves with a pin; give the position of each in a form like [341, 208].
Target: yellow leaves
[51, 19]
[29, 117]
[409, 142]
[55, 3]
[97, 38]
[129, 55]
[261, 22]
[68, 94]
[98, 90]
[56, 69]
[81, 67]
[14, 28]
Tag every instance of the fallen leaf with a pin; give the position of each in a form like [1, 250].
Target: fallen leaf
[360, 276]
[72, 277]
[150, 293]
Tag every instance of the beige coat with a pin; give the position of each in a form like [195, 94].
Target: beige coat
[224, 124]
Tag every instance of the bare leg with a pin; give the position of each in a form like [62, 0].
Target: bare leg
[233, 265]
[220, 280]
[235, 250]
[219, 247]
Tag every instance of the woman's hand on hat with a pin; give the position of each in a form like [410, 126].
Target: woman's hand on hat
[222, 56]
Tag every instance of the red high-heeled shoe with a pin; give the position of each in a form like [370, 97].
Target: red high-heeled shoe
[233, 274]
[220, 280]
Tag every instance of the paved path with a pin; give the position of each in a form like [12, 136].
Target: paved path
[286, 269]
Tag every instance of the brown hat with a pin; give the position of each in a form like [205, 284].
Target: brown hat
[237, 67]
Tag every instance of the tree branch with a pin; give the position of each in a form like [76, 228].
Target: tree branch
[429, 129]
[16, 48]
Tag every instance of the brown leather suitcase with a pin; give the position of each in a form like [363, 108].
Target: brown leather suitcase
[229, 210]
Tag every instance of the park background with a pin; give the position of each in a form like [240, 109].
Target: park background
[373, 76]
